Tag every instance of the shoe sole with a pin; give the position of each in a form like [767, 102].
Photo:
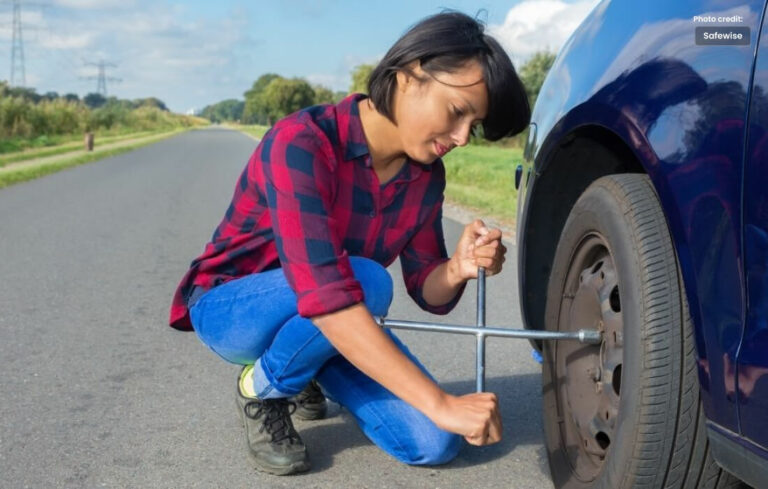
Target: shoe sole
[300, 466]
[310, 415]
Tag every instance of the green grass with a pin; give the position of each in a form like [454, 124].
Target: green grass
[483, 178]
[69, 147]
[25, 173]
[17, 144]
[254, 130]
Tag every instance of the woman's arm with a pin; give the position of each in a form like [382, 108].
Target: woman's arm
[443, 283]
[354, 333]
[478, 246]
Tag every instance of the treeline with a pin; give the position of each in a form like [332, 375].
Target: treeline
[270, 98]
[25, 114]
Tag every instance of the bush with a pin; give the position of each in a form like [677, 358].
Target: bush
[31, 122]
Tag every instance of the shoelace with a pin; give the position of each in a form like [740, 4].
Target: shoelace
[277, 416]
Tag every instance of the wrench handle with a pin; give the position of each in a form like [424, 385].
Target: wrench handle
[480, 358]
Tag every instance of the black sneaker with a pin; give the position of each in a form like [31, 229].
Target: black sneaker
[273, 443]
[311, 403]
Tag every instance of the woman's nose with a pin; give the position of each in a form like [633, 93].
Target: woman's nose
[461, 137]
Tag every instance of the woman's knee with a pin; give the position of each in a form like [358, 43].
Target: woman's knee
[437, 450]
[376, 282]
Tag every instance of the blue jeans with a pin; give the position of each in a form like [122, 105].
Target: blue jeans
[254, 320]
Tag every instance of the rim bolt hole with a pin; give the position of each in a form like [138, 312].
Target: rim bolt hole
[614, 299]
[602, 440]
[616, 381]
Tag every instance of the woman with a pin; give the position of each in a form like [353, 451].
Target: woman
[332, 195]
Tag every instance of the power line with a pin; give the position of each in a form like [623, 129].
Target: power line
[102, 78]
[17, 46]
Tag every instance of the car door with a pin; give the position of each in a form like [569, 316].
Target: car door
[750, 380]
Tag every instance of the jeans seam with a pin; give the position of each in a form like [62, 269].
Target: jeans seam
[296, 353]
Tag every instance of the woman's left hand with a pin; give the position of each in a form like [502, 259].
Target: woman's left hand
[479, 246]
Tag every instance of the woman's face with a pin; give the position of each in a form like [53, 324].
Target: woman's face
[437, 115]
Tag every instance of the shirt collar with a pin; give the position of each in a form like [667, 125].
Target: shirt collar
[352, 136]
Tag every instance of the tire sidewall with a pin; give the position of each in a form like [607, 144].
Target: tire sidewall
[601, 210]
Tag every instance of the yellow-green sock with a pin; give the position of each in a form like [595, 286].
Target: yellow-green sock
[246, 382]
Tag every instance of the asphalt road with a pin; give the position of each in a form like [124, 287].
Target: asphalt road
[97, 391]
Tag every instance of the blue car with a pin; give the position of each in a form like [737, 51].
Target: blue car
[643, 212]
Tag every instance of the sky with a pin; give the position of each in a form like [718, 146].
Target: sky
[193, 53]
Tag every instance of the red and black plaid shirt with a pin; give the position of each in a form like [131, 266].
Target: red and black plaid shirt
[307, 200]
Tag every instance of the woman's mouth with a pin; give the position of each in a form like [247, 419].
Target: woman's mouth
[440, 150]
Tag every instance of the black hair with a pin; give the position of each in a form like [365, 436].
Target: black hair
[444, 43]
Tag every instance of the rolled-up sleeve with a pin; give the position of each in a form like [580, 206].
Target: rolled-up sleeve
[423, 253]
[298, 176]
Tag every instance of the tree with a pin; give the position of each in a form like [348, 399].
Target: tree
[323, 95]
[94, 100]
[338, 95]
[226, 110]
[254, 111]
[285, 96]
[25, 93]
[360, 76]
[150, 102]
[534, 71]
[71, 97]
[51, 95]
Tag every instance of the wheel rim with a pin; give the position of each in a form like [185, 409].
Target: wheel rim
[589, 376]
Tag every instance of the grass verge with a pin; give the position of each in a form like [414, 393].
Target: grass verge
[19, 144]
[250, 129]
[11, 175]
[68, 147]
[483, 178]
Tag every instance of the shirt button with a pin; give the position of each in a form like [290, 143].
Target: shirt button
[372, 213]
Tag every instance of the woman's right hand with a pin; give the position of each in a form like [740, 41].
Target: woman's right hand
[475, 416]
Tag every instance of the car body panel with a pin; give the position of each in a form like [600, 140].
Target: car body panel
[752, 380]
[634, 69]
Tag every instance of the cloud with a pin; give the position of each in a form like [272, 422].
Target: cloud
[66, 41]
[341, 79]
[334, 82]
[160, 50]
[93, 4]
[537, 25]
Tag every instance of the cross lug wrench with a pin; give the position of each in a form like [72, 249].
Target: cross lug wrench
[481, 331]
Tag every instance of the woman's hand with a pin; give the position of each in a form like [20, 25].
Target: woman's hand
[474, 416]
[478, 246]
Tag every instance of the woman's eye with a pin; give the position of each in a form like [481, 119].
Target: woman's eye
[457, 111]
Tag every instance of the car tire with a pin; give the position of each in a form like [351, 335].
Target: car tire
[626, 413]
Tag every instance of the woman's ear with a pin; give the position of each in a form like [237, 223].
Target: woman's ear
[405, 77]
